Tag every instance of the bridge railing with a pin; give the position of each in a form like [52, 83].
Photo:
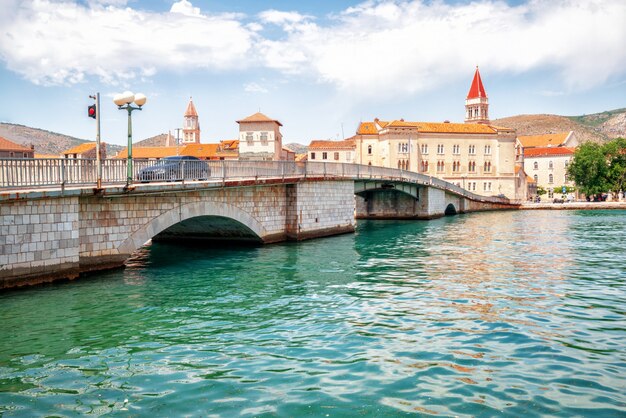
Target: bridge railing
[46, 172]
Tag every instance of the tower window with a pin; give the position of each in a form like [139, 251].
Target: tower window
[369, 150]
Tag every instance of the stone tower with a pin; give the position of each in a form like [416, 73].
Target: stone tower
[477, 102]
[191, 126]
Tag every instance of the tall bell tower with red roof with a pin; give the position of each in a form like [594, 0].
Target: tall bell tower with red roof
[191, 126]
[477, 102]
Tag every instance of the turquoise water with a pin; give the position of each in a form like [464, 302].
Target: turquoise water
[493, 314]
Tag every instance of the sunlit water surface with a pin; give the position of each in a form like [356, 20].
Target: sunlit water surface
[495, 314]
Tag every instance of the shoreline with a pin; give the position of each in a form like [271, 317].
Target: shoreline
[574, 206]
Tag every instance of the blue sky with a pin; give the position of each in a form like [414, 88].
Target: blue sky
[319, 67]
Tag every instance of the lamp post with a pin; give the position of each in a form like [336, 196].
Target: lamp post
[123, 101]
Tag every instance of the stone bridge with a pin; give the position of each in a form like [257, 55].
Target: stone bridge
[59, 232]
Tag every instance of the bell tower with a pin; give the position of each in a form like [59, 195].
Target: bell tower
[191, 126]
[477, 102]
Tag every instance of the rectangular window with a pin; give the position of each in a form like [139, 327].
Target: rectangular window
[487, 149]
[324, 156]
[440, 149]
[424, 148]
[336, 156]
[312, 155]
[472, 149]
[264, 138]
[249, 138]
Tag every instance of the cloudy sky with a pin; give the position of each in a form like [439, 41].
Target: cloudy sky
[319, 67]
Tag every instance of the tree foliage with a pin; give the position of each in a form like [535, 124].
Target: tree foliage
[599, 168]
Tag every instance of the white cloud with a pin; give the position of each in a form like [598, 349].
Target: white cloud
[185, 7]
[63, 43]
[379, 48]
[255, 88]
[395, 47]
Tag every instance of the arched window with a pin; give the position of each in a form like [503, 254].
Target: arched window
[399, 164]
[550, 179]
[536, 178]
[550, 165]
[536, 166]
[369, 150]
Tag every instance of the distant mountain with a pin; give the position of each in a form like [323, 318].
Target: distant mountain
[297, 148]
[154, 141]
[598, 127]
[45, 142]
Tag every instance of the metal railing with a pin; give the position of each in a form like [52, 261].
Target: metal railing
[20, 174]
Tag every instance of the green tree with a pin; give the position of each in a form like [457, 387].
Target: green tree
[589, 169]
[615, 152]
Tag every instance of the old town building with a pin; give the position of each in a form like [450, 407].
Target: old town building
[475, 155]
[260, 139]
[10, 149]
[332, 151]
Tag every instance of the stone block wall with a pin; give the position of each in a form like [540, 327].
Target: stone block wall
[320, 208]
[38, 240]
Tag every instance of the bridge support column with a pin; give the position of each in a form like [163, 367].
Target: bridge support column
[316, 209]
[39, 241]
[432, 203]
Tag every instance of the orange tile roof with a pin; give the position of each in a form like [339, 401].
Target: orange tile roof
[230, 144]
[258, 117]
[401, 124]
[37, 155]
[200, 150]
[80, 149]
[301, 157]
[7, 145]
[543, 140]
[150, 152]
[460, 128]
[321, 144]
[529, 179]
[367, 128]
[547, 151]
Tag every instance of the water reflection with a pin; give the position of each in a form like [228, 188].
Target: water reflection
[484, 315]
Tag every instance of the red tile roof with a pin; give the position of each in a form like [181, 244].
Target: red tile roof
[477, 89]
[191, 109]
[7, 145]
[547, 151]
[543, 140]
[258, 117]
[367, 128]
[321, 144]
[80, 149]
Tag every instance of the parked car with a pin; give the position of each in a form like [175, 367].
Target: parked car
[175, 168]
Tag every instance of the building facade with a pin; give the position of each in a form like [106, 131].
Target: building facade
[548, 167]
[191, 125]
[474, 155]
[332, 151]
[260, 138]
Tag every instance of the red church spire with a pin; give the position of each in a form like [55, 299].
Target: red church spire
[477, 90]
[191, 109]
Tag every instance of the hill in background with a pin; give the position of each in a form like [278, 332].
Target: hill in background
[45, 142]
[597, 127]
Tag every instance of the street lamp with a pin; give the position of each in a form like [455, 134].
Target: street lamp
[123, 101]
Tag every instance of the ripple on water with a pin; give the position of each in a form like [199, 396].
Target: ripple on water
[494, 314]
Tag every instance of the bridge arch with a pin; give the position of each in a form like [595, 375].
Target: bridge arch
[450, 210]
[189, 211]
